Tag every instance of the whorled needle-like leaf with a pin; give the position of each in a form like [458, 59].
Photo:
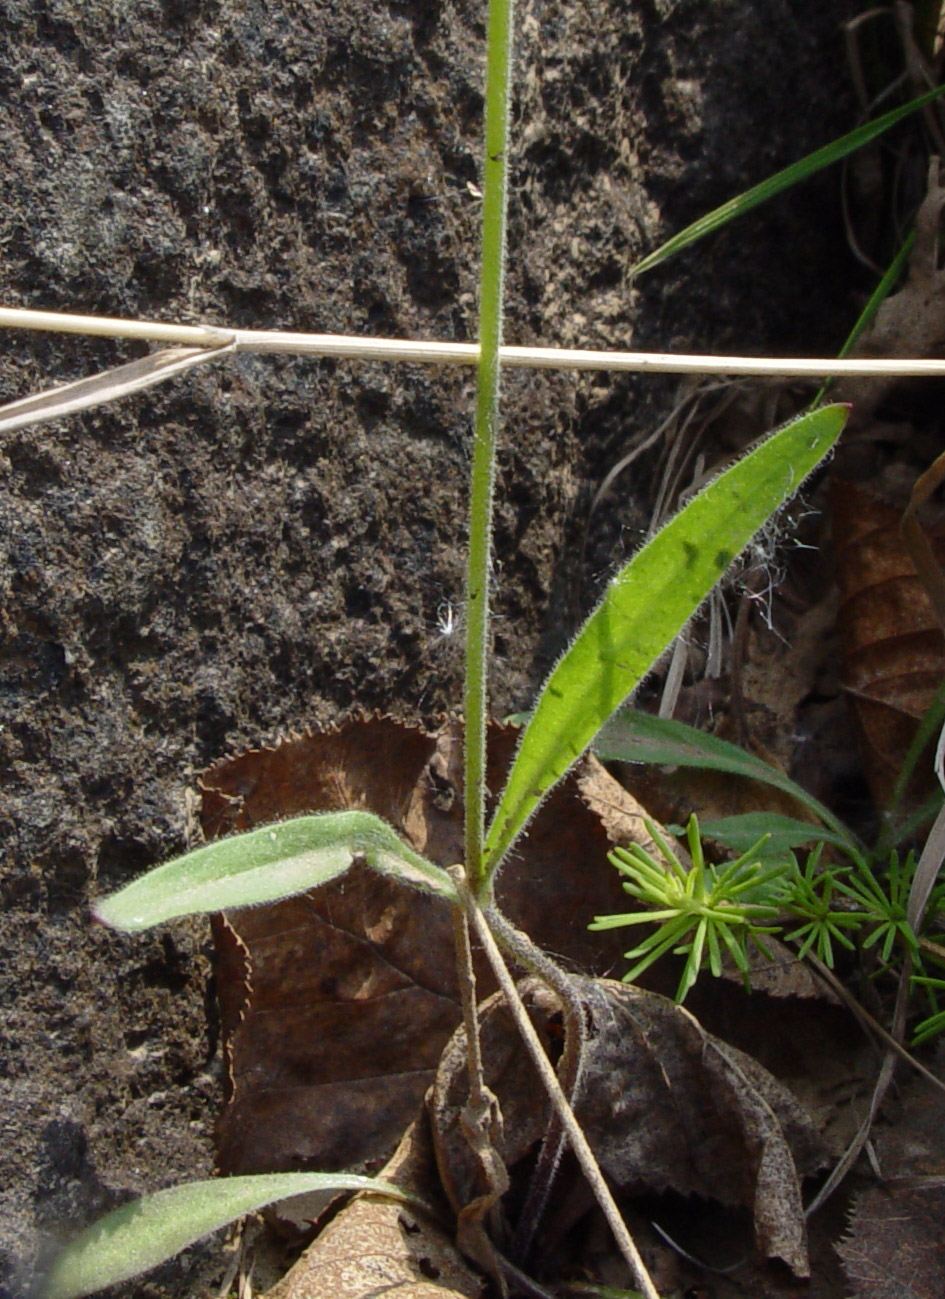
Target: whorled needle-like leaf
[145, 1232]
[646, 605]
[275, 861]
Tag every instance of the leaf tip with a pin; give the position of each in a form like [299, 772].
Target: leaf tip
[99, 909]
[105, 912]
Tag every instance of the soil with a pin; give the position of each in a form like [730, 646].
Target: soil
[272, 542]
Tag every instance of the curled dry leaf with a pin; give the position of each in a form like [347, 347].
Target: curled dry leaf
[812, 1045]
[376, 1246]
[665, 1105]
[336, 1004]
[894, 651]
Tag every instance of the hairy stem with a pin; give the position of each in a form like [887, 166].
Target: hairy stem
[466, 978]
[495, 183]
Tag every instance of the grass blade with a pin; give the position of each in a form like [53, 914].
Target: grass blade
[781, 181]
[273, 862]
[866, 317]
[145, 1232]
[646, 605]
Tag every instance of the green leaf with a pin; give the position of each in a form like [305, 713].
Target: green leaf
[929, 726]
[879, 295]
[273, 862]
[145, 1232]
[646, 605]
[784, 833]
[782, 180]
[658, 741]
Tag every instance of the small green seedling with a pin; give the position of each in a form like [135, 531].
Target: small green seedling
[861, 902]
[701, 910]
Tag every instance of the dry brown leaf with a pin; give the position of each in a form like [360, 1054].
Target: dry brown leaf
[338, 1027]
[813, 1047]
[778, 971]
[337, 1004]
[665, 1105]
[377, 1246]
[895, 1247]
[894, 651]
[918, 543]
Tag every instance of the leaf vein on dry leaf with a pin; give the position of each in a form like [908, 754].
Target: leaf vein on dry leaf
[363, 941]
[375, 998]
[428, 1070]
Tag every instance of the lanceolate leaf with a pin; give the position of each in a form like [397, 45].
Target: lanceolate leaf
[647, 604]
[630, 736]
[272, 862]
[145, 1232]
[785, 833]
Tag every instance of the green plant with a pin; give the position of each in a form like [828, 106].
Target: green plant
[700, 909]
[933, 1024]
[781, 181]
[644, 608]
[614, 649]
[862, 902]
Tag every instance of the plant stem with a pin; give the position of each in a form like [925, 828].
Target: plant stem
[549, 1079]
[570, 1070]
[495, 181]
[466, 978]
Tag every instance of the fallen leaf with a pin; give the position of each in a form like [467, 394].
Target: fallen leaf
[779, 972]
[894, 651]
[812, 1045]
[376, 1246]
[336, 1005]
[665, 1106]
[338, 1026]
[895, 1246]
